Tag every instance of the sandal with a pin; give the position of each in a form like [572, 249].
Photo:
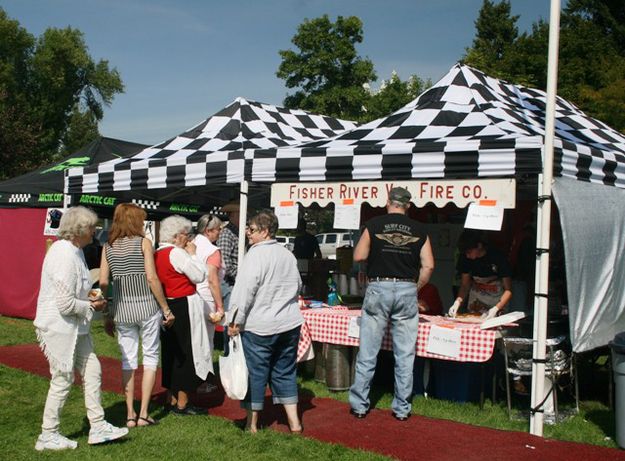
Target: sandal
[131, 422]
[148, 422]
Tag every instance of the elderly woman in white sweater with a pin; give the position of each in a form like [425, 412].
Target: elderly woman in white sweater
[64, 312]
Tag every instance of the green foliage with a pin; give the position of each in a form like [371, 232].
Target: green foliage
[81, 130]
[327, 71]
[591, 70]
[496, 34]
[48, 84]
[394, 95]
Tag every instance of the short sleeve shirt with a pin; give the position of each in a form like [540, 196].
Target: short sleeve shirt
[492, 264]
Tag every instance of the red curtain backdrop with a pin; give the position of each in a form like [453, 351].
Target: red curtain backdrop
[22, 249]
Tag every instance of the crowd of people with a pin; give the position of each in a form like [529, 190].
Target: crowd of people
[170, 299]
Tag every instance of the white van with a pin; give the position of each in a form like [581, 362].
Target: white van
[286, 241]
[330, 241]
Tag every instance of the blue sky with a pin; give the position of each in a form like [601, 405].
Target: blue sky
[181, 61]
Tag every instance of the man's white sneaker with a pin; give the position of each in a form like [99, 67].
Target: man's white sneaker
[105, 433]
[54, 441]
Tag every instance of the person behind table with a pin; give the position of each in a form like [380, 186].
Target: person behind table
[62, 323]
[486, 276]
[267, 315]
[210, 290]
[186, 358]
[306, 245]
[399, 262]
[139, 305]
[429, 300]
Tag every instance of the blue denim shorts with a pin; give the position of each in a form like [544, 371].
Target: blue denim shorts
[271, 360]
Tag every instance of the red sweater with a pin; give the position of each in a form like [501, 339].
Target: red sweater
[175, 284]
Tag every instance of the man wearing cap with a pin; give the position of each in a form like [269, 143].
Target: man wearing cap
[228, 242]
[399, 262]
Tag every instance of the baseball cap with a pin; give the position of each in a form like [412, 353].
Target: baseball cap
[399, 194]
[231, 207]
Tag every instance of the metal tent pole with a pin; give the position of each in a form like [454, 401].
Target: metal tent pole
[242, 219]
[543, 236]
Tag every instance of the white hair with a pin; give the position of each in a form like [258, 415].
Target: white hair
[171, 226]
[76, 221]
[208, 222]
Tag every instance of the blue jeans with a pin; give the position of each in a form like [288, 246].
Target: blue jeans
[270, 359]
[394, 302]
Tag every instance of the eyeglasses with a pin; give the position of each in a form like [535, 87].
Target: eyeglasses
[251, 229]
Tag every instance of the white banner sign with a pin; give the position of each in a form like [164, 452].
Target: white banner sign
[287, 212]
[444, 341]
[439, 192]
[484, 215]
[347, 215]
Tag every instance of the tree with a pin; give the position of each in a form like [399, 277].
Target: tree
[42, 83]
[592, 64]
[591, 70]
[82, 129]
[327, 71]
[394, 95]
[496, 33]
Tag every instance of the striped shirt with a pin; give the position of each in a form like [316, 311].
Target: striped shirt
[133, 300]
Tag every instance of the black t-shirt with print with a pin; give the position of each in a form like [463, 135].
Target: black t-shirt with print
[493, 263]
[396, 243]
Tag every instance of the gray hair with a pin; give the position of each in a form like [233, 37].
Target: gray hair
[171, 226]
[266, 220]
[75, 222]
[208, 222]
[397, 204]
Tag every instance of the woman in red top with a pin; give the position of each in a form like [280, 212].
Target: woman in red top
[186, 358]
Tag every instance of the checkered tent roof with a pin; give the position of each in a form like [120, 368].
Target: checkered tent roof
[468, 125]
[209, 153]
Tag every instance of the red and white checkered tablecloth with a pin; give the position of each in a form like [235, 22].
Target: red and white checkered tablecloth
[331, 326]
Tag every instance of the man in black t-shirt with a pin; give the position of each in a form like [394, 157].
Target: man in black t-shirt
[305, 245]
[486, 277]
[399, 262]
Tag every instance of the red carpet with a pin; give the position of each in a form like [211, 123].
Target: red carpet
[328, 420]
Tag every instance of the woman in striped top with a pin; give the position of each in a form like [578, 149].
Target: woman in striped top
[137, 295]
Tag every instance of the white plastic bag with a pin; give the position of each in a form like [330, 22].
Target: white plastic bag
[233, 370]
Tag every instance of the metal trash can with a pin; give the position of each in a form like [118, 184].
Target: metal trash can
[338, 371]
[618, 369]
[320, 361]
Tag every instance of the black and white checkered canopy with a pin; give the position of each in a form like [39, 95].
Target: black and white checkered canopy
[468, 125]
[209, 153]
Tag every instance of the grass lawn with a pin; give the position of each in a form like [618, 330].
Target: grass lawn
[179, 436]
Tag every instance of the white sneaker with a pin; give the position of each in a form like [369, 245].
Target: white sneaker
[105, 433]
[54, 441]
